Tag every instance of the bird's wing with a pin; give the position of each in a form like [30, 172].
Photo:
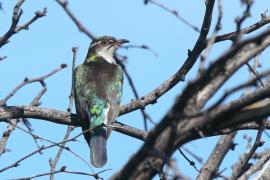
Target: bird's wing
[114, 97]
[97, 98]
[89, 105]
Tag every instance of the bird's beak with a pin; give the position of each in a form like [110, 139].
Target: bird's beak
[122, 41]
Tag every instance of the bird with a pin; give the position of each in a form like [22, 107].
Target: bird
[98, 83]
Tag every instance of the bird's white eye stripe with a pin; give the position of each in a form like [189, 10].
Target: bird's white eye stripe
[92, 45]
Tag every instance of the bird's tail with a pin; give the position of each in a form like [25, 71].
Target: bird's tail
[97, 144]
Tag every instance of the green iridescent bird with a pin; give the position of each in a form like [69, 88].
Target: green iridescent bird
[98, 90]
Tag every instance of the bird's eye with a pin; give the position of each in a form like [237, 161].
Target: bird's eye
[111, 41]
[104, 43]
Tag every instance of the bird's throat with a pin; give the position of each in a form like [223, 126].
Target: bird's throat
[91, 57]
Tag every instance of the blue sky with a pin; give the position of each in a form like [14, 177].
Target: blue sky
[48, 43]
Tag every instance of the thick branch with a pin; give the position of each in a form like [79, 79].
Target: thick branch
[65, 118]
[210, 168]
[191, 101]
[193, 55]
[136, 164]
[60, 117]
[151, 98]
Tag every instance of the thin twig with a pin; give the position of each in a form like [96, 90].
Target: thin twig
[12, 126]
[212, 39]
[38, 14]
[257, 166]
[152, 97]
[17, 163]
[63, 170]
[255, 74]
[2, 58]
[35, 102]
[240, 167]
[195, 156]
[239, 20]
[191, 163]
[135, 92]
[54, 162]
[17, 12]
[249, 83]
[14, 28]
[6, 135]
[143, 46]
[52, 142]
[230, 36]
[28, 81]
[64, 5]
[173, 12]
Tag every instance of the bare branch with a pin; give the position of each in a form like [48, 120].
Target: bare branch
[14, 28]
[6, 135]
[143, 46]
[17, 12]
[137, 162]
[64, 5]
[28, 81]
[239, 20]
[135, 92]
[60, 117]
[230, 36]
[195, 156]
[191, 101]
[186, 120]
[265, 172]
[63, 170]
[191, 163]
[17, 163]
[211, 41]
[210, 168]
[152, 97]
[251, 82]
[38, 14]
[173, 12]
[2, 58]
[11, 127]
[240, 167]
[54, 162]
[257, 166]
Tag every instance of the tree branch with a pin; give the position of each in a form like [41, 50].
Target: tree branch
[230, 36]
[173, 12]
[54, 162]
[191, 101]
[28, 81]
[14, 28]
[63, 170]
[210, 168]
[152, 97]
[64, 5]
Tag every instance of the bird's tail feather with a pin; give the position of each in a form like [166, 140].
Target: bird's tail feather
[97, 143]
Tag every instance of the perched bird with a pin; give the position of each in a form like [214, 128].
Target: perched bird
[98, 90]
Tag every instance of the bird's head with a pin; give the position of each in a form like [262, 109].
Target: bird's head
[105, 47]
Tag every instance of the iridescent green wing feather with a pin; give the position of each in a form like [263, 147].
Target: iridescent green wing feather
[115, 95]
[90, 107]
[97, 93]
